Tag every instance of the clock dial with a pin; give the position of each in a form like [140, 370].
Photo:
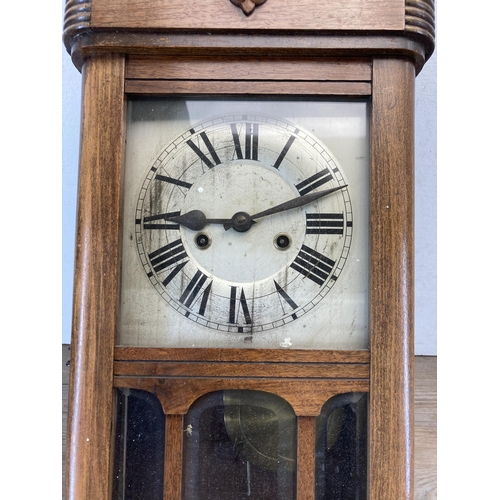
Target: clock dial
[244, 223]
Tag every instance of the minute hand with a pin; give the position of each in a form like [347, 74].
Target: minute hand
[296, 202]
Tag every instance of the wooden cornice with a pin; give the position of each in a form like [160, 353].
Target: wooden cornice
[398, 27]
[420, 22]
[76, 20]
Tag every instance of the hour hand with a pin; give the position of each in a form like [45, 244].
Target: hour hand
[195, 220]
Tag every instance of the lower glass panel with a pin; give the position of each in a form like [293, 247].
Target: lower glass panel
[341, 448]
[139, 446]
[240, 445]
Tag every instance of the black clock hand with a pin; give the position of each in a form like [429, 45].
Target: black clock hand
[241, 221]
[195, 220]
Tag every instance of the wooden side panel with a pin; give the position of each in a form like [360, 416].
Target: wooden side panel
[391, 385]
[274, 14]
[96, 280]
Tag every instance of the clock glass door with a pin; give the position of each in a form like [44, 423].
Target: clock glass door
[246, 224]
[239, 444]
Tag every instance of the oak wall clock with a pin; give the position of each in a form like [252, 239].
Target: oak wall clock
[243, 280]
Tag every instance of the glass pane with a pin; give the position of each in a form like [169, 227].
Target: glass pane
[296, 278]
[139, 446]
[341, 448]
[240, 445]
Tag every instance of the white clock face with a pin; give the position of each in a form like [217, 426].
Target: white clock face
[258, 284]
[282, 264]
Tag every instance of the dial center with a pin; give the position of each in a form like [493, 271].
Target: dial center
[247, 251]
[241, 222]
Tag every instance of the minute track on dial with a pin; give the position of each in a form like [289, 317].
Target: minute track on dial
[278, 184]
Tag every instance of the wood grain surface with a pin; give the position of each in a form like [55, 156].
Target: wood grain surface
[234, 76]
[96, 276]
[425, 428]
[173, 456]
[263, 68]
[391, 351]
[159, 87]
[306, 437]
[391, 291]
[275, 14]
[425, 423]
[241, 355]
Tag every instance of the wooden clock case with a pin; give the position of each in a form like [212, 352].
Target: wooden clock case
[346, 48]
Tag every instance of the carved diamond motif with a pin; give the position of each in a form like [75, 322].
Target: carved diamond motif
[248, 6]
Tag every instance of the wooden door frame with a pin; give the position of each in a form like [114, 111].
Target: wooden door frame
[95, 360]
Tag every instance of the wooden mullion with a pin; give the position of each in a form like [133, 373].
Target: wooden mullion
[173, 457]
[306, 457]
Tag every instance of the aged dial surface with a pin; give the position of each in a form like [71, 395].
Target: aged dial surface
[244, 223]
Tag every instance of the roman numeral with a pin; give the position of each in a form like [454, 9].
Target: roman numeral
[237, 144]
[251, 151]
[171, 180]
[167, 256]
[252, 141]
[287, 298]
[194, 288]
[173, 273]
[233, 309]
[204, 299]
[325, 223]
[314, 181]
[201, 154]
[150, 222]
[313, 265]
[284, 151]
